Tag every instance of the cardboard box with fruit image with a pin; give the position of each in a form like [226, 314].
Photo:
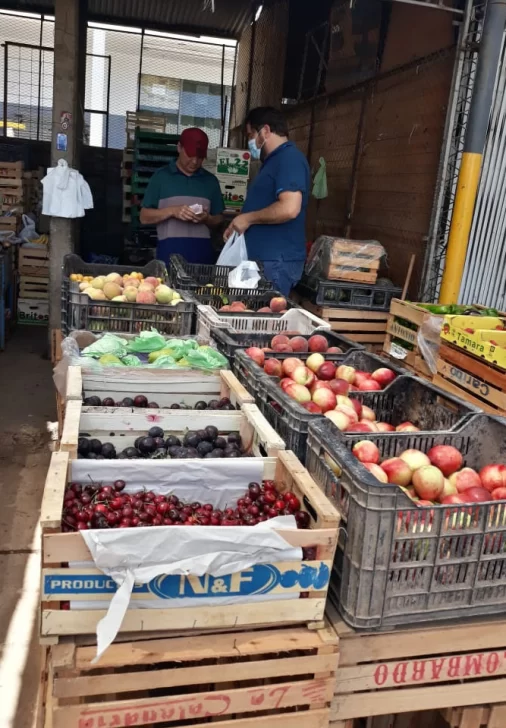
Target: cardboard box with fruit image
[482, 336]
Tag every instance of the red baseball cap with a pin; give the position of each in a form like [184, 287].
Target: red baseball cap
[195, 142]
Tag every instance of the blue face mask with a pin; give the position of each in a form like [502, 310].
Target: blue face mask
[253, 149]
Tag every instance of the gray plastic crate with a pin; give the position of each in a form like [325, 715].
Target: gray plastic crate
[397, 563]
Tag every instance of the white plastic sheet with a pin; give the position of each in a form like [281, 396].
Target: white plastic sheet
[234, 252]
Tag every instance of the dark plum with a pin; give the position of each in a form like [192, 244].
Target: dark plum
[173, 451]
[127, 402]
[212, 432]
[191, 439]
[234, 437]
[231, 454]
[159, 442]
[224, 401]
[108, 451]
[153, 405]
[203, 435]
[218, 453]
[96, 446]
[175, 406]
[93, 401]
[173, 441]
[140, 401]
[192, 452]
[159, 453]
[204, 448]
[147, 445]
[131, 453]
[83, 446]
[137, 441]
[200, 405]
[108, 402]
[155, 432]
[92, 456]
[100, 457]
[213, 404]
[220, 442]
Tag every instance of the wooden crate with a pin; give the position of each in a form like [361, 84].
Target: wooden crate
[33, 287]
[10, 223]
[418, 669]
[353, 261]
[472, 379]
[11, 175]
[33, 262]
[145, 120]
[121, 426]
[412, 359]
[272, 677]
[58, 549]
[366, 327]
[478, 716]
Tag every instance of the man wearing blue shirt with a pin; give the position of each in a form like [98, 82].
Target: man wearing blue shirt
[274, 214]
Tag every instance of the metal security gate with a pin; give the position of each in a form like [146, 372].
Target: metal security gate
[485, 272]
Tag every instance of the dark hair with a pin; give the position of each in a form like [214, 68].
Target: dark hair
[267, 115]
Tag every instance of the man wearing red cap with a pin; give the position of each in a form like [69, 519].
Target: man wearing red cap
[172, 197]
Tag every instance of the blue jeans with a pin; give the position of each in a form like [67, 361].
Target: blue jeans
[284, 274]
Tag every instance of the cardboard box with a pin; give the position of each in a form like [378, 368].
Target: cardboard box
[33, 311]
[233, 190]
[235, 162]
[482, 336]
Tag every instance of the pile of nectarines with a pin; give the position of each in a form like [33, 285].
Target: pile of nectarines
[277, 304]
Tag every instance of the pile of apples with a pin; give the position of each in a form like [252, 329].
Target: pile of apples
[130, 288]
[284, 344]
[277, 304]
[435, 477]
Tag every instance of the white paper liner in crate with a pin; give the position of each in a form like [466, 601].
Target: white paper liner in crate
[132, 556]
[296, 320]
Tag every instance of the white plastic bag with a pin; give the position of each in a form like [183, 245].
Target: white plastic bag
[246, 275]
[234, 252]
[28, 232]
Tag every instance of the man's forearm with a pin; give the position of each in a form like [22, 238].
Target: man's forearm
[273, 215]
[214, 221]
[150, 216]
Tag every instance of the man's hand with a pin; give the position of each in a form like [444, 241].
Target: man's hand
[183, 212]
[239, 225]
[203, 217]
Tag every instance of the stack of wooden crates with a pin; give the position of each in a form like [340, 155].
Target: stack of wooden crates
[33, 271]
[11, 196]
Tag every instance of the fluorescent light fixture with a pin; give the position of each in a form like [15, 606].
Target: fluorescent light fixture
[259, 12]
[35, 16]
[193, 38]
[122, 28]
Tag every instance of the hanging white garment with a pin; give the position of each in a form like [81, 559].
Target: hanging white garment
[65, 192]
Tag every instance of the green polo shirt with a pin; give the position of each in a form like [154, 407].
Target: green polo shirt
[169, 187]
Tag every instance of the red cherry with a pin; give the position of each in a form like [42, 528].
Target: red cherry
[273, 512]
[135, 521]
[279, 504]
[127, 512]
[270, 497]
[254, 510]
[82, 526]
[157, 521]
[167, 522]
[125, 523]
[162, 508]
[101, 508]
[241, 503]
[119, 485]
[116, 503]
[302, 519]
[209, 507]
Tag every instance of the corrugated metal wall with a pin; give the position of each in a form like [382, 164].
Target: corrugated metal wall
[485, 272]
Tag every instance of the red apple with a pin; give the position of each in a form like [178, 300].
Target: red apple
[476, 495]
[256, 354]
[358, 407]
[447, 499]
[327, 371]
[319, 385]
[384, 376]
[289, 365]
[378, 473]
[366, 451]
[369, 386]
[339, 386]
[298, 392]
[464, 479]
[332, 465]
[303, 375]
[313, 408]
[298, 343]
[286, 382]
[325, 399]
[314, 362]
[428, 482]
[368, 414]
[448, 489]
[415, 459]
[498, 494]
[283, 348]
[273, 368]
[445, 457]
[345, 372]
[385, 427]
[348, 411]
[362, 426]
[334, 350]
[278, 304]
[318, 343]
[398, 472]
[340, 420]
[279, 339]
[407, 427]
[361, 377]
[342, 399]
[493, 476]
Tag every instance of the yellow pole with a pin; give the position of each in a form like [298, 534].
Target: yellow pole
[462, 218]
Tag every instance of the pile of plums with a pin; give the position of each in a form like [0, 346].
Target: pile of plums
[141, 401]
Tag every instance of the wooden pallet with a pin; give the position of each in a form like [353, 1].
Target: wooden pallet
[9, 224]
[11, 174]
[366, 327]
[478, 716]
[353, 261]
[410, 355]
[33, 262]
[61, 549]
[418, 669]
[121, 426]
[282, 678]
[472, 379]
[33, 287]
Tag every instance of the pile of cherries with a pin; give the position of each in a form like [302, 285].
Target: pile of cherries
[107, 506]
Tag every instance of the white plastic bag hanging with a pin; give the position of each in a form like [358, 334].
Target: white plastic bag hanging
[246, 275]
[234, 252]
[28, 231]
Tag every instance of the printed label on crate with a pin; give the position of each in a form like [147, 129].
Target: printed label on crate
[397, 351]
[260, 579]
[33, 311]
[233, 191]
[168, 709]
[402, 332]
[233, 161]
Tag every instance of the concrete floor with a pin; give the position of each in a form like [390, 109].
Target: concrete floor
[27, 402]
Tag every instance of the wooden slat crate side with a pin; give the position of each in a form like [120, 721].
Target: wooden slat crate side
[272, 672]
[60, 548]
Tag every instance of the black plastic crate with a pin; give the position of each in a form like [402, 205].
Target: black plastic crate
[209, 280]
[79, 312]
[288, 417]
[342, 294]
[397, 563]
[229, 341]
